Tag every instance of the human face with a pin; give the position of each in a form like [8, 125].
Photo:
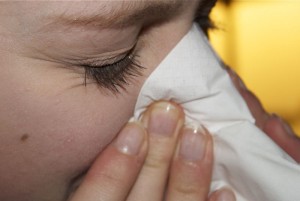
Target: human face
[54, 117]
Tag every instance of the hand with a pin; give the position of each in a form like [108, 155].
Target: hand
[153, 160]
[277, 129]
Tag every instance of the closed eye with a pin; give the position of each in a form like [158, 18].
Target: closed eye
[114, 76]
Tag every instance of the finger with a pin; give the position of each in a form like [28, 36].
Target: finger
[284, 136]
[163, 121]
[115, 170]
[192, 167]
[253, 103]
[279, 131]
[223, 194]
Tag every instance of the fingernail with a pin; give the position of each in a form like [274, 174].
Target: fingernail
[130, 139]
[239, 81]
[193, 144]
[284, 125]
[288, 129]
[163, 119]
[242, 84]
[226, 195]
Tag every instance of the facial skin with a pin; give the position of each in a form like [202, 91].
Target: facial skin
[52, 125]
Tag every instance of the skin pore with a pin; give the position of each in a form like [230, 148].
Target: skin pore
[54, 118]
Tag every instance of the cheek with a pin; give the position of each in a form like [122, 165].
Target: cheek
[50, 131]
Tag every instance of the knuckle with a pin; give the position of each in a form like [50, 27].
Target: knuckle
[187, 190]
[113, 176]
[108, 176]
[155, 161]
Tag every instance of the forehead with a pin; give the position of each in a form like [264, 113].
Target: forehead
[90, 12]
[112, 5]
[115, 12]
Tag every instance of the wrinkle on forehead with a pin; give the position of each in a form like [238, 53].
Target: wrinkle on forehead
[115, 13]
[40, 16]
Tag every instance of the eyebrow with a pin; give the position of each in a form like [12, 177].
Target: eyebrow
[128, 14]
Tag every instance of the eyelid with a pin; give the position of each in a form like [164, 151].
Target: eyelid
[115, 76]
[109, 59]
[96, 62]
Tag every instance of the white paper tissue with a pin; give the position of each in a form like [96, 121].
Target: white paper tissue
[246, 160]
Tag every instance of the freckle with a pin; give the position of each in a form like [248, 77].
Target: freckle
[24, 137]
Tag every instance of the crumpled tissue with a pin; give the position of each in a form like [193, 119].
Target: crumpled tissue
[246, 160]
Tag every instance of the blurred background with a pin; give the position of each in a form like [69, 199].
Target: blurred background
[260, 39]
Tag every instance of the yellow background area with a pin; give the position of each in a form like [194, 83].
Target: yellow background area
[260, 39]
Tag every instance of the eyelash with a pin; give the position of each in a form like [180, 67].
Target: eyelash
[114, 76]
